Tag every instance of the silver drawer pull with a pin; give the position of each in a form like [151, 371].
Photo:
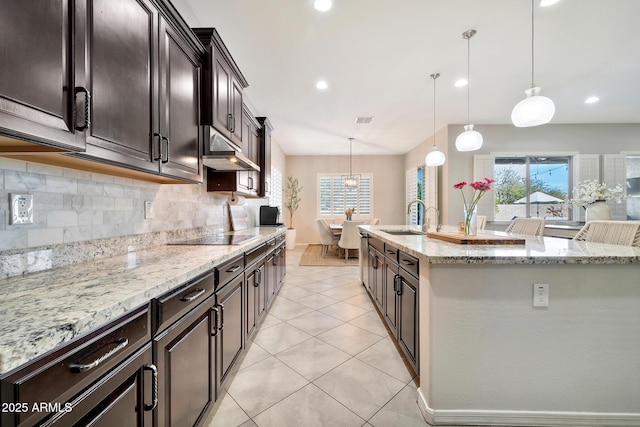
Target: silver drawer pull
[84, 367]
[193, 295]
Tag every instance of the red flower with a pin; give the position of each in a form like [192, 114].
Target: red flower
[460, 185]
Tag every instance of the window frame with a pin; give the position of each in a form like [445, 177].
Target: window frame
[333, 216]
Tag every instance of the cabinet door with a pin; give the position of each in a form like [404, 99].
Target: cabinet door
[272, 277]
[122, 61]
[185, 359]
[408, 316]
[229, 341]
[235, 109]
[390, 298]
[252, 286]
[221, 94]
[180, 71]
[37, 73]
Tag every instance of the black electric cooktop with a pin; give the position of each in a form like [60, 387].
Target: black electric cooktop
[220, 239]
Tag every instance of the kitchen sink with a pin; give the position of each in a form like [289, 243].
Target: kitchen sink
[404, 232]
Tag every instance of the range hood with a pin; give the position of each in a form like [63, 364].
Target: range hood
[223, 155]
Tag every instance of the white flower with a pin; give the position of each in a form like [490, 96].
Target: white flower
[587, 192]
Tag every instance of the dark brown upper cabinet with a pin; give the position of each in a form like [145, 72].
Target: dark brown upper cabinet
[113, 82]
[223, 84]
[264, 156]
[144, 81]
[37, 76]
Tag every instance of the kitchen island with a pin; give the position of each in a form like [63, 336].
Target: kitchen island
[487, 356]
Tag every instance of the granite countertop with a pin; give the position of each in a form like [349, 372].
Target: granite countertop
[40, 311]
[537, 250]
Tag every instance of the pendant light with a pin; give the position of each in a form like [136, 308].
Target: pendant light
[435, 156]
[469, 140]
[351, 181]
[535, 109]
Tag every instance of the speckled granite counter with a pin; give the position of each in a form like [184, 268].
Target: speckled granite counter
[40, 311]
[538, 250]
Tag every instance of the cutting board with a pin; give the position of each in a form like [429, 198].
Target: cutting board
[479, 239]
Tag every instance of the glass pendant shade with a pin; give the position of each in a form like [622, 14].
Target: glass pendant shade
[351, 181]
[469, 140]
[534, 110]
[435, 157]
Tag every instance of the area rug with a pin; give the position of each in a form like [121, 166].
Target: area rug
[312, 256]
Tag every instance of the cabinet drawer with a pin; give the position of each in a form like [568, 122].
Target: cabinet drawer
[228, 270]
[391, 252]
[271, 245]
[173, 305]
[376, 243]
[408, 262]
[60, 375]
[254, 255]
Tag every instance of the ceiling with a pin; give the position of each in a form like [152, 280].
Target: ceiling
[377, 56]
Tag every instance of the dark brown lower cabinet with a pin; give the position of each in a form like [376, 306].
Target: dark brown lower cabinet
[105, 378]
[230, 334]
[376, 276]
[256, 302]
[408, 315]
[390, 306]
[185, 357]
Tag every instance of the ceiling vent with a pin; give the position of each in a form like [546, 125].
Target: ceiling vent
[364, 120]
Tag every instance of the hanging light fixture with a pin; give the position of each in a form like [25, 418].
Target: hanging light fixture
[351, 181]
[469, 140]
[435, 156]
[535, 109]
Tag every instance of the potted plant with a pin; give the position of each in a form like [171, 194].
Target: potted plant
[292, 202]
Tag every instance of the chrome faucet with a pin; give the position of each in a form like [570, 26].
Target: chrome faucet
[425, 221]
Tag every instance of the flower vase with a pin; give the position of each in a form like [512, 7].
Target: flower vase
[597, 210]
[471, 222]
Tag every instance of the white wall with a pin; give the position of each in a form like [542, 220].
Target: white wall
[388, 188]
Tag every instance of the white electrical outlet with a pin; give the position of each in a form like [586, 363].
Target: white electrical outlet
[541, 295]
[21, 206]
[148, 210]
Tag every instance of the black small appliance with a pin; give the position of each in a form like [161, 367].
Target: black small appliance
[269, 215]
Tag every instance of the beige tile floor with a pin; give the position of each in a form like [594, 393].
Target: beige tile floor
[322, 357]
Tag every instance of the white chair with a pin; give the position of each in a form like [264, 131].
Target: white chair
[327, 237]
[625, 233]
[375, 221]
[527, 226]
[482, 221]
[350, 237]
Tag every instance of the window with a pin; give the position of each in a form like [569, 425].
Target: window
[335, 197]
[276, 189]
[415, 189]
[531, 187]
[633, 187]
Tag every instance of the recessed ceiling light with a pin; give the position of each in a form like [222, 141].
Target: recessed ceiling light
[322, 5]
[322, 85]
[545, 3]
[461, 83]
[591, 100]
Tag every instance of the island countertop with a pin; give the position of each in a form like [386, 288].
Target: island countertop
[536, 250]
[40, 311]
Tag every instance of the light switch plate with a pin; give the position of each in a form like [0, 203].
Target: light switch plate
[541, 295]
[148, 210]
[21, 207]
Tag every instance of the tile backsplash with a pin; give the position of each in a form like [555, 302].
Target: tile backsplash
[84, 212]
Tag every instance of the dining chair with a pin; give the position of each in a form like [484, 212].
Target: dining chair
[527, 226]
[482, 221]
[624, 233]
[375, 221]
[327, 237]
[350, 237]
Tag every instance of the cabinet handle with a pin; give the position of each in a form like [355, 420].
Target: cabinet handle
[266, 186]
[84, 367]
[193, 295]
[168, 149]
[250, 183]
[229, 121]
[399, 286]
[258, 277]
[214, 330]
[233, 269]
[87, 107]
[221, 316]
[407, 262]
[154, 387]
[160, 138]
